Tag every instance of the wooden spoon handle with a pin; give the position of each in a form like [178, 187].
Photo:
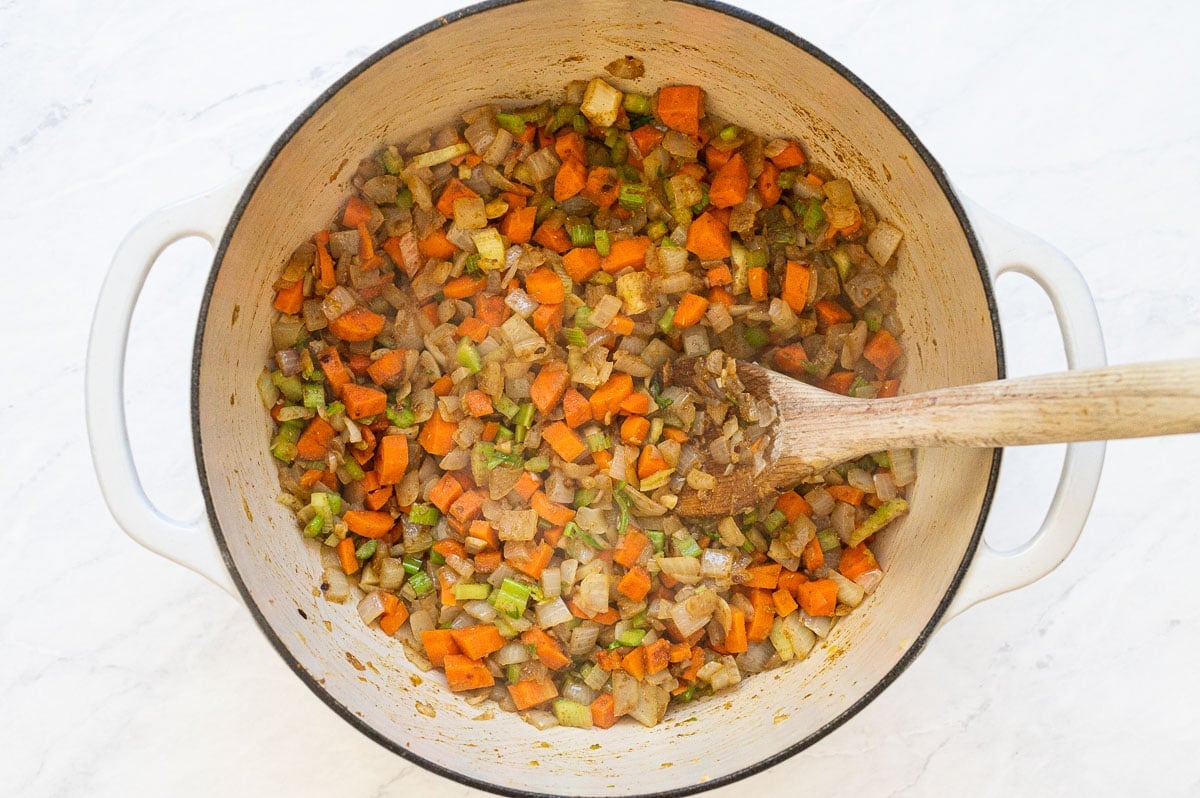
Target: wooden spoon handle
[1117, 402]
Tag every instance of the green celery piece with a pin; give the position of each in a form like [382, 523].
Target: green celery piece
[631, 637]
[424, 514]
[774, 520]
[658, 539]
[421, 584]
[402, 418]
[623, 508]
[524, 417]
[537, 464]
[512, 673]
[404, 198]
[353, 469]
[513, 123]
[570, 713]
[496, 459]
[572, 530]
[666, 322]
[506, 407]
[412, 565]
[291, 387]
[584, 497]
[582, 234]
[575, 336]
[755, 336]
[314, 395]
[814, 219]
[686, 546]
[603, 242]
[468, 356]
[367, 550]
[598, 441]
[391, 162]
[637, 104]
[828, 539]
[472, 592]
[883, 515]
[632, 196]
[436, 557]
[314, 527]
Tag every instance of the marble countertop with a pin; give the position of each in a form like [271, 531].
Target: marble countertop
[123, 674]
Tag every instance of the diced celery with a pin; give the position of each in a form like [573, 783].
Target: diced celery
[883, 515]
[436, 557]
[755, 336]
[631, 637]
[367, 550]
[774, 520]
[637, 104]
[602, 241]
[424, 514]
[570, 713]
[291, 387]
[686, 546]
[314, 527]
[353, 469]
[472, 592]
[468, 356]
[598, 441]
[575, 336]
[658, 539]
[582, 234]
[524, 416]
[666, 322]
[537, 464]
[584, 497]
[314, 395]
[632, 196]
[828, 539]
[505, 406]
[411, 564]
[421, 584]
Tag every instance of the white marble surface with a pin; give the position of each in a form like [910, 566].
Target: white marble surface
[122, 674]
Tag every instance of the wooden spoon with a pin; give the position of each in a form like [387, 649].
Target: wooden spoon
[815, 429]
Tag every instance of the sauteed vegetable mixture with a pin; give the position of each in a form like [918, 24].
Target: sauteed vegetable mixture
[471, 426]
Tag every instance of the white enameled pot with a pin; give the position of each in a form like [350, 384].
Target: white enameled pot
[753, 72]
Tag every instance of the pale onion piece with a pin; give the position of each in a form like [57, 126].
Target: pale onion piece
[820, 501]
[700, 480]
[819, 625]
[904, 467]
[490, 246]
[371, 607]
[499, 148]
[338, 586]
[456, 460]
[675, 283]
[625, 693]
[554, 611]
[780, 640]
[849, 593]
[569, 568]
[683, 569]
[470, 213]
[540, 719]
[681, 145]
[435, 157]
[631, 365]
[651, 706]
[592, 595]
[656, 354]
[731, 534]
[422, 196]
[267, 390]
[391, 573]
[516, 524]
[755, 658]
[885, 486]
[580, 693]
[853, 344]
[883, 242]
[695, 341]
[718, 316]
[858, 478]
[601, 103]
[596, 678]
[801, 638]
[605, 310]
[685, 191]
[523, 339]
[421, 621]
[294, 412]
[480, 610]
[840, 193]
[634, 290]
[844, 519]
[513, 653]
[870, 580]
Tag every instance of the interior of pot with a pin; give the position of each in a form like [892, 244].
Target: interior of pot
[530, 50]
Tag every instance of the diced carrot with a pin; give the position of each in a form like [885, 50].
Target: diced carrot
[387, 368]
[357, 324]
[378, 497]
[792, 505]
[477, 404]
[708, 237]
[646, 138]
[438, 643]
[357, 212]
[366, 248]
[602, 458]
[658, 656]
[791, 359]
[368, 523]
[487, 562]
[445, 492]
[474, 329]
[490, 431]
[430, 311]
[466, 507]
[359, 364]
[555, 513]
[730, 183]
[763, 576]
[607, 399]
[390, 622]
[436, 245]
[290, 299]
[819, 597]
[547, 648]
[478, 641]
[756, 278]
[830, 313]
[327, 279]
[719, 276]
[527, 485]
[634, 430]
[634, 663]
[635, 584]
[690, 310]
[716, 158]
[362, 401]
[675, 434]
[785, 602]
[576, 410]
[764, 614]
[335, 371]
[314, 441]
[629, 253]
[517, 225]
[791, 580]
[464, 286]
[795, 285]
[464, 673]
[555, 238]
[550, 384]
[437, 436]
[345, 553]
[569, 145]
[565, 442]
[537, 563]
[581, 263]
[531, 692]
[857, 561]
[888, 389]
[490, 310]
[630, 549]
[768, 185]
[813, 557]
[570, 180]
[882, 350]
[603, 711]
[680, 652]
[442, 386]
[791, 156]
[636, 403]
[845, 493]
[447, 579]
[391, 459]
[681, 108]
[455, 189]
[735, 638]
[650, 462]
[482, 530]
[547, 320]
[606, 660]
[603, 186]
[311, 477]
[839, 382]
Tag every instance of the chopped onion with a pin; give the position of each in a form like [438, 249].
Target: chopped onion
[371, 607]
[651, 705]
[904, 468]
[883, 242]
[858, 478]
[540, 719]
[512, 653]
[624, 692]
[552, 613]
[849, 593]
[885, 486]
[870, 580]
[818, 624]
[844, 519]
[682, 569]
[592, 595]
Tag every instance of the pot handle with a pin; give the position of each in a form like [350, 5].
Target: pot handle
[1009, 249]
[187, 542]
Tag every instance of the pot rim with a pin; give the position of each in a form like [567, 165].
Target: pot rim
[398, 747]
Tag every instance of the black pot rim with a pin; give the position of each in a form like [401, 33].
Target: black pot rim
[398, 747]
